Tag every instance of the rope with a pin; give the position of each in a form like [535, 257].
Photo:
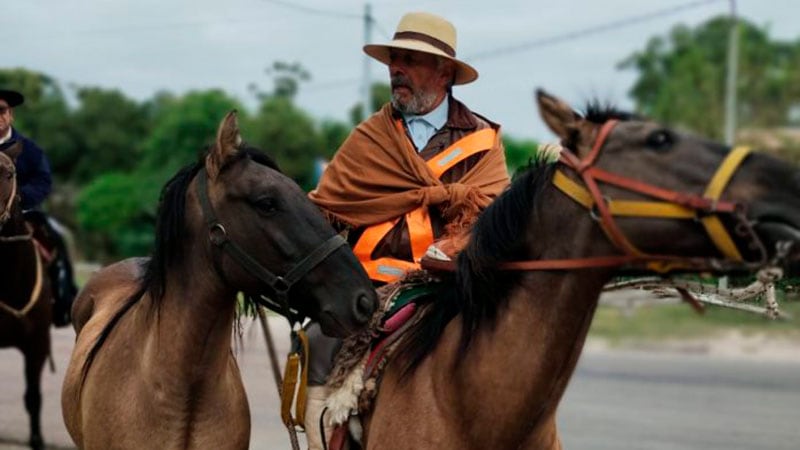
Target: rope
[276, 371]
[764, 285]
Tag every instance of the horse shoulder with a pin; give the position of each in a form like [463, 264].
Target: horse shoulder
[106, 289]
[98, 300]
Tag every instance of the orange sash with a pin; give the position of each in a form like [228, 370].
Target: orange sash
[420, 230]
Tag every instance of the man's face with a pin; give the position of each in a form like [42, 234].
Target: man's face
[6, 117]
[419, 80]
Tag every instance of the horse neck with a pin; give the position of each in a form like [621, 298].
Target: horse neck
[194, 320]
[533, 349]
[531, 352]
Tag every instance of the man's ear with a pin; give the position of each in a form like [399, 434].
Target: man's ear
[557, 114]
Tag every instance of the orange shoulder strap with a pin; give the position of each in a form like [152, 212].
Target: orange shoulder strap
[479, 141]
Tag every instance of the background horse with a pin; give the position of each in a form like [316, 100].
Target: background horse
[487, 369]
[25, 301]
[152, 365]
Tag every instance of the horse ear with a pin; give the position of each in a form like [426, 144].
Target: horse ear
[14, 151]
[226, 145]
[557, 114]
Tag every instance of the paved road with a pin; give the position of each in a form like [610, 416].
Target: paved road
[617, 400]
[676, 401]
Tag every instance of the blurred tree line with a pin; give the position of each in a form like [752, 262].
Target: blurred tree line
[111, 154]
[682, 77]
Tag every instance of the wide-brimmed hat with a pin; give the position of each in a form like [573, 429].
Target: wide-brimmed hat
[427, 33]
[13, 98]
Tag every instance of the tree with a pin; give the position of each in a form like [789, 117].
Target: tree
[682, 77]
[381, 93]
[183, 129]
[116, 211]
[286, 132]
[111, 129]
[44, 117]
[518, 153]
[286, 79]
[290, 136]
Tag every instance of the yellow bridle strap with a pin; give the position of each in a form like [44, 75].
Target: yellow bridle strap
[630, 208]
[719, 235]
[653, 209]
[725, 172]
[293, 373]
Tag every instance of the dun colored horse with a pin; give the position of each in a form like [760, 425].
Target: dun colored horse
[488, 368]
[25, 301]
[152, 365]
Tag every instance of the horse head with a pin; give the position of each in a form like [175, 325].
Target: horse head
[658, 192]
[9, 197]
[267, 239]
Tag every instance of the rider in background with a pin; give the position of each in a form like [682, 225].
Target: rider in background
[35, 182]
[415, 173]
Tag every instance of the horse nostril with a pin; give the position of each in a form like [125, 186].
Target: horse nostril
[364, 307]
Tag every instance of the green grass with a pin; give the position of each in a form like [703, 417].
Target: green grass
[678, 321]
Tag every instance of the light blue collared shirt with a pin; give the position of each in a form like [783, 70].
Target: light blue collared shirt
[422, 128]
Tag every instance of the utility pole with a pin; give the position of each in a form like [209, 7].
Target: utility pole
[730, 89]
[366, 87]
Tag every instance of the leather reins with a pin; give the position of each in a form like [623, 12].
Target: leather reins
[671, 204]
[280, 284]
[6, 214]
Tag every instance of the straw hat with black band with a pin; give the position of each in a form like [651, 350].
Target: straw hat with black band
[13, 98]
[428, 33]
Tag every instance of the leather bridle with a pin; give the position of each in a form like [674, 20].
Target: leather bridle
[6, 214]
[279, 284]
[670, 204]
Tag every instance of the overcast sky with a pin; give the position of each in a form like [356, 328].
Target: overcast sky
[144, 46]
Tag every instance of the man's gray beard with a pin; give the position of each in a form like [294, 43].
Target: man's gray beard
[421, 102]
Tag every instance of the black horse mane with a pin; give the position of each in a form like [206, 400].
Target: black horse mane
[599, 112]
[169, 238]
[495, 239]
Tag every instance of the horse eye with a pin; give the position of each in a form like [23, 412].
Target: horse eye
[266, 204]
[660, 140]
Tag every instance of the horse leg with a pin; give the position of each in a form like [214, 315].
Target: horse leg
[34, 363]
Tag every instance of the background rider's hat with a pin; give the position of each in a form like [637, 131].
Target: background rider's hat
[427, 33]
[13, 98]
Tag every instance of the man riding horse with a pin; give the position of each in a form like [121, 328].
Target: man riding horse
[35, 183]
[417, 171]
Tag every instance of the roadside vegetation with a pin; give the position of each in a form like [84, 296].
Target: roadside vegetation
[659, 320]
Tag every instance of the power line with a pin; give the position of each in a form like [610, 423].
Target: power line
[378, 26]
[543, 42]
[136, 28]
[321, 12]
[317, 11]
[333, 84]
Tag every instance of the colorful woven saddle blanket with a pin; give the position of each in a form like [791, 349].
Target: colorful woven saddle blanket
[359, 364]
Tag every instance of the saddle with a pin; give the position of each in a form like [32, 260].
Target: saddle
[53, 251]
[360, 363]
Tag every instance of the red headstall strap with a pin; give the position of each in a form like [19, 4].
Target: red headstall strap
[672, 204]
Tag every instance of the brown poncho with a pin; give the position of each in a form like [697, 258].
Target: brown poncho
[377, 175]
